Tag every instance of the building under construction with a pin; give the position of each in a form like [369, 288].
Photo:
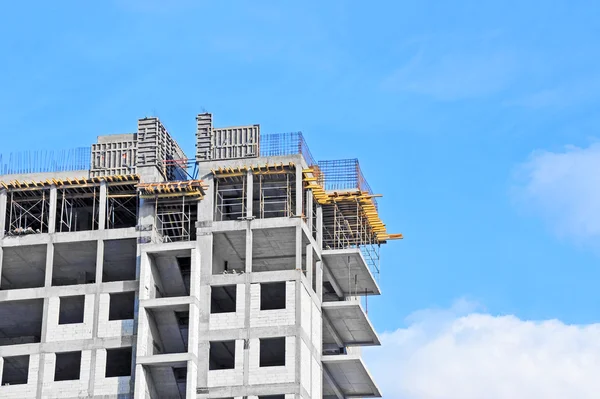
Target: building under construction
[129, 270]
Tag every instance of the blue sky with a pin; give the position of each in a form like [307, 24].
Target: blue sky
[459, 113]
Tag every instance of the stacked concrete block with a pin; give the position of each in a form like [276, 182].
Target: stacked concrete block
[230, 377]
[275, 374]
[67, 332]
[275, 317]
[111, 328]
[224, 321]
[27, 390]
[66, 389]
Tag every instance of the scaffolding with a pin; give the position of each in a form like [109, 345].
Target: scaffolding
[121, 205]
[231, 198]
[175, 208]
[273, 192]
[28, 212]
[175, 219]
[276, 194]
[77, 208]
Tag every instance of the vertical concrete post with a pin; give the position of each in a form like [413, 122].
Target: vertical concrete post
[309, 264]
[319, 278]
[204, 247]
[299, 196]
[247, 300]
[249, 195]
[309, 210]
[320, 226]
[140, 382]
[191, 382]
[3, 199]
[102, 205]
[298, 256]
[95, 321]
[52, 210]
[47, 284]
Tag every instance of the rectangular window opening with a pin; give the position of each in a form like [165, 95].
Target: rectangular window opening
[272, 352]
[68, 366]
[272, 296]
[71, 309]
[222, 355]
[223, 299]
[15, 370]
[118, 362]
[121, 306]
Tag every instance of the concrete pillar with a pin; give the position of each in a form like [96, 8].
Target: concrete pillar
[3, 200]
[249, 195]
[191, 382]
[140, 382]
[195, 273]
[299, 248]
[204, 247]
[309, 210]
[52, 210]
[319, 282]
[320, 226]
[206, 210]
[102, 205]
[299, 196]
[309, 264]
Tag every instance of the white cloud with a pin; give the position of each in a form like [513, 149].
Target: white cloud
[564, 188]
[449, 355]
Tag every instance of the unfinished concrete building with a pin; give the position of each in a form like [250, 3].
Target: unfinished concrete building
[135, 272]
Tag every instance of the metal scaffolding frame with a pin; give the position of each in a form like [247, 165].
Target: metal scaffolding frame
[346, 225]
[70, 200]
[28, 212]
[231, 198]
[175, 219]
[121, 205]
[276, 194]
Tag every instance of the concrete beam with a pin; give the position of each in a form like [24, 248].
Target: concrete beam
[336, 389]
[327, 324]
[169, 359]
[336, 286]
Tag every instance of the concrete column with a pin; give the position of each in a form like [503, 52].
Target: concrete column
[140, 383]
[247, 300]
[52, 210]
[102, 205]
[206, 211]
[320, 226]
[191, 382]
[309, 209]
[95, 321]
[195, 273]
[3, 200]
[249, 194]
[44, 332]
[309, 264]
[49, 264]
[298, 248]
[319, 278]
[299, 196]
[204, 247]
